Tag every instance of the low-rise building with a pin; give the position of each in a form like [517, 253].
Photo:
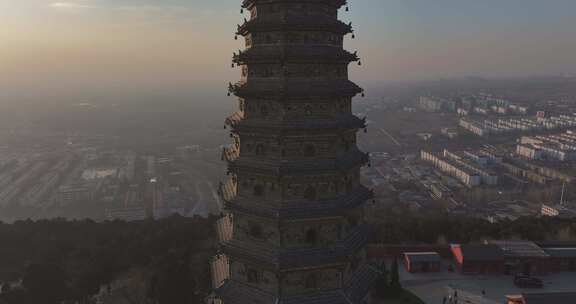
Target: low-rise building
[422, 262]
[523, 257]
[478, 259]
[504, 257]
[543, 298]
[74, 193]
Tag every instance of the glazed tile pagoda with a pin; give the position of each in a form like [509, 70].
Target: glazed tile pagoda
[294, 230]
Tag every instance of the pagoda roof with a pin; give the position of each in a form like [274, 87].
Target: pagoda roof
[341, 122]
[294, 53]
[335, 3]
[360, 284]
[301, 209]
[295, 22]
[289, 259]
[295, 167]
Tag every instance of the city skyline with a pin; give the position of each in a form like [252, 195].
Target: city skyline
[89, 45]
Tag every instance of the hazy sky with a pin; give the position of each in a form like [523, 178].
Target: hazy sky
[73, 46]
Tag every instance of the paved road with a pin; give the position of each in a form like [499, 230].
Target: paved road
[391, 137]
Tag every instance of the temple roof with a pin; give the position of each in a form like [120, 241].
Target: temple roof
[298, 209]
[294, 53]
[275, 258]
[341, 122]
[335, 3]
[295, 88]
[295, 22]
[296, 167]
[360, 284]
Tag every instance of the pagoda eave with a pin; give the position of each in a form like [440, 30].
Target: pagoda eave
[292, 89]
[313, 25]
[237, 293]
[294, 127]
[299, 210]
[335, 3]
[286, 260]
[354, 292]
[345, 58]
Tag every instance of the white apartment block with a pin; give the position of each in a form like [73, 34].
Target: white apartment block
[461, 168]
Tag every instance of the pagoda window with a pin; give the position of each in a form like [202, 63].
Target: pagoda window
[339, 228]
[252, 275]
[348, 186]
[343, 106]
[310, 151]
[264, 110]
[311, 236]
[260, 150]
[310, 194]
[258, 190]
[256, 231]
[346, 145]
[353, 221]
[311, 281]
[291, 37]
[308, 110]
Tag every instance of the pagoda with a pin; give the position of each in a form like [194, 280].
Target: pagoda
[294, 229]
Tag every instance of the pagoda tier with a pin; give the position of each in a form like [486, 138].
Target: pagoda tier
[280, 259]
[281, 168]
[275, 89]
[353, 291]
[294, 23]
[293, 54]
[296, 209]
[333, 3]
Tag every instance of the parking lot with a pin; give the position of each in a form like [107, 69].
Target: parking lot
[432, 288]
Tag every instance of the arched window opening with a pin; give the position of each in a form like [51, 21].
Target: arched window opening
[309, 151]
[311, 281]
[353, 221]
[260, 150]
[346, 145]
[256, 231]
[264, 110]
[311, 237]
[310, 193]
[258, 190]
[349, 186]
[252, 275]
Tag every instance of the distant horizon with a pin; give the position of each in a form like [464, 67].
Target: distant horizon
[52, 49]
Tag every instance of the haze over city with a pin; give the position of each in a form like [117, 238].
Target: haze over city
[78, 49]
